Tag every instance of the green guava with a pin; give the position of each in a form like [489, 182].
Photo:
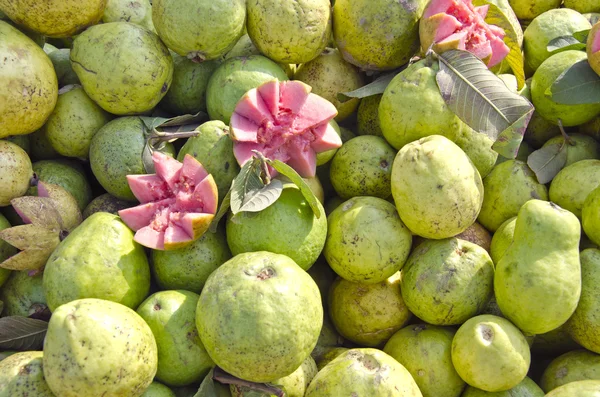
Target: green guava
[553, 343]
[582, 388]
[571, 367]
[259, 316]
[583, 6]
[116, 151]
[490, 353]
[187, 94]
[363, 372]
[316, 188]
[591, 128]
[214, 149]
[589, 215]
[158, 390]
[133, 11]
[331, 354]
[73, 123]
[544, 77]
[288, 226]
[477, 234]
[105, 203]
[571, 186]
[583, 326]
[382, 304]
[199, 29]
[539, 130]
[289, 31]
[329, 74]
[22, 374]
[502, 239]
[363, 167]
[530, 9]
[68, 175]
[188, 268]
[123, 67]
[329, 338]
[368, 116]
[377, 35]
[522, 154]
[97, 348]
[40, 146]
[436, 169]
[61, 60]
[506, 189]
[22, 294]
[527, 388]
[15, 172]
[99, 259]
[366, 240]
[578, 147]
[182, 359]
[425, 351]
[446, 282]
[244, 47]
[30, 85]
[21, 141]
[546, 27]
[233, 78]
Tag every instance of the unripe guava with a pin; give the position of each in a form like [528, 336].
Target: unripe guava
[578, 147]
[571, 367]
[571, 186]
[21, 374]
[527, 388]
[67, 174]
[502, 239]
[530, 9]
[134, 11]
[22, 294]
[15, 172]
[105, 203]
[583, 6]
[368, 116]
[158, 390]
[582, 388]
[477, 234]
[61, 60]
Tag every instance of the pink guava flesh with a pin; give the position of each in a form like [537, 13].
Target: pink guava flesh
[284, 121]
[177, 203]
[462, 23]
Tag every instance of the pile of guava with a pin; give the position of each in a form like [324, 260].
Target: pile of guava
[299, 198]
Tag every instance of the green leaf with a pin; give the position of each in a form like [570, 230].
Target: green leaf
[564, 43]
[377, 86]
[249, 193]
[258, 199]
[577, 85]
[482, 100]
[22, 333]
[147, 158]
[548, 161]
[297, 180]
[152, 122]
[223, 209]
[582, 35]
[207, 387]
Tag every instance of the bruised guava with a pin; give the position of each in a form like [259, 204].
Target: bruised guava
[593, 48]
[178, 203]
[457, 24]
[284, 121]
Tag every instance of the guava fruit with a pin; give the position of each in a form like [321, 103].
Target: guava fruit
[15, 172]
[412, 108]
[578, 147]
[68, 175]
[436, 169]
[233, 78]
[293, 385]
[553, 343]
[583, 325]
[582, 388]
[377, 35]
[589, 216]
[182, 359]
[188, 268]
[424, 350]
[502, 239]
[366, 240]
[457, 24]
[583, 6]
[591, 128]
[527, 388]
[96, 348]
[363, 372]
[544, 77]
[289, 31]
[490, 353]
[30, 85]
[368, 116]
[116, 151]
[326, 156]
[571, 367]
[21, 141]
[284, 121]
[330, 355]
[539, 130]
[178, 203]
[593, 47]
[187, 93]
[530, 9]
[40, 147]
[199, 30]
[22, 374]
[244, 47]
[158, 390]
[55, 18]
[571, 186]
[22, 294]
[134, 11]
[105, 203]
[61, 60]
[259, 316]
[506, 189]
[123, 67]
[363, 167]
[477, 234]
[329, 338]
[316, 188]
[100, 260]
[73, 122]
[538, 280]
[214, 149]
[287, 227]
[545, 28]
[446, 282]
[350, 304]
[6, 251]
[329, 74]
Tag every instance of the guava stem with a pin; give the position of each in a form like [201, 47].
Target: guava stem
[227, 379]
[564, 133]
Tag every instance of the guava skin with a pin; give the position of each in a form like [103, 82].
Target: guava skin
[105, 203]
[15, 172]
[20, 293]
[571, 367]
[6, 251]
[527, 388]
[158, 390]
[67, 174]
[21, 374]
[582, 388]
[572, 185]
